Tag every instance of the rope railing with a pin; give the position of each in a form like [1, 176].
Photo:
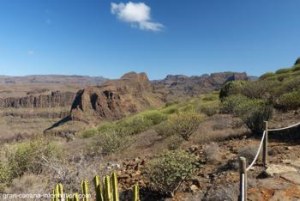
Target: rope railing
[285, 128]
[257, 153]
[262, 145]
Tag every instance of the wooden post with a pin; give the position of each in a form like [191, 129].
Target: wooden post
[243, 179]
[265, 146]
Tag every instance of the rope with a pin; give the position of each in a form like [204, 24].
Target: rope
[257, 153]
[280, 129]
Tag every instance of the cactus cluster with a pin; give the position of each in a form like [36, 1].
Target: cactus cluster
[105, 191]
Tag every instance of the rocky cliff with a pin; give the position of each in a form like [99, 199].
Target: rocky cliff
[114, 99]
[53, 99]
[180, 86]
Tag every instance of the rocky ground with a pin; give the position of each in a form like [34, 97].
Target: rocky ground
[218, 176]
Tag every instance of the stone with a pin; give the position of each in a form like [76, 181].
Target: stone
[274, 169]
[292, 177]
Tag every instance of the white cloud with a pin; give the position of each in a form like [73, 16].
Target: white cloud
[136, 14]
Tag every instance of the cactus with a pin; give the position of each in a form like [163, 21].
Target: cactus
[115, 189]
[98, 188]
[61, 192]
[106, 192]
[85, 190]
[107, 189]
[136, 196]
[76, 197]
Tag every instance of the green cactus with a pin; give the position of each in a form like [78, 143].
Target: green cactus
[76, 197]
[61, 192]
[56, 192]
[115, 189]
[85, 190]
[98, 188]
[106, 192]
[107, 189]
[136, 196]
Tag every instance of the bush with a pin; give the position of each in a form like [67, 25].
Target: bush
[231, 88]
[209, 110]
[289, 101]
[248, 152]
[133, 125]
[266, 75]
[155, 117]
[164, 129]
[212, 153]
[185, 124]
[109, 142]
[230, 103]
[174, 142]
[29, 156]
[283, 70]
[253, 112]
[166, 171]
[5, 176]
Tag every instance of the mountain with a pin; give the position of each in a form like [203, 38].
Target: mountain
[181, 86]
[114, 99]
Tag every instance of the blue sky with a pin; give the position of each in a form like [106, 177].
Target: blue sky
[159, 37]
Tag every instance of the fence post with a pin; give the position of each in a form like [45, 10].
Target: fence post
[243, 179]
[265, 146]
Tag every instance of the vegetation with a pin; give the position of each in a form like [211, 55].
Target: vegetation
[30, 156]
[105, 191]
[253, 112]
[166, 171]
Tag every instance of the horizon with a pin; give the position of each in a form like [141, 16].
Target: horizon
[111, 38]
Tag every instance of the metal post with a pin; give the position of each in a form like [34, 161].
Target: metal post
[243, 179]
[265, 146]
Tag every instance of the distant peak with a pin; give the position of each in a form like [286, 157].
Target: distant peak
[135, 76]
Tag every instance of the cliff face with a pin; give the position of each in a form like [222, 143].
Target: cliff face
[54, 99]
[115, 98]
[180, 86]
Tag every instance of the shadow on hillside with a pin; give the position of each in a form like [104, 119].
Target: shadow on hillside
[59, 123]
[291, 135]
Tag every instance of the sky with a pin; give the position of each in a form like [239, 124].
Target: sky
[160, 37]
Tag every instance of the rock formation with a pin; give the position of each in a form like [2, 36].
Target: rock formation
[54, 99]
[115, 98]
[176, 86]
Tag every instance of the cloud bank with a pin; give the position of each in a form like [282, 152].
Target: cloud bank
[136, 14]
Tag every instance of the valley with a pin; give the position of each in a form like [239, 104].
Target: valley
[64, 131]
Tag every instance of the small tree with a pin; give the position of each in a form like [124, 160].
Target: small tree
[185, 124]
[166, 171]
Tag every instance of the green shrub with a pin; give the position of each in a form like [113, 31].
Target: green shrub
[185, 124]
[289, 101]
[174, 142]
[283, 70]
[254, 113]
[89, 133]
[155, 117]
[30, 156]
[135, 124]
[166, 171]
[229, 105]
[267, 75]
[109, 142]
[258, 89]
[5, 174]
[164, 129]
[231, 88]
[209, 109]
[296, 67]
